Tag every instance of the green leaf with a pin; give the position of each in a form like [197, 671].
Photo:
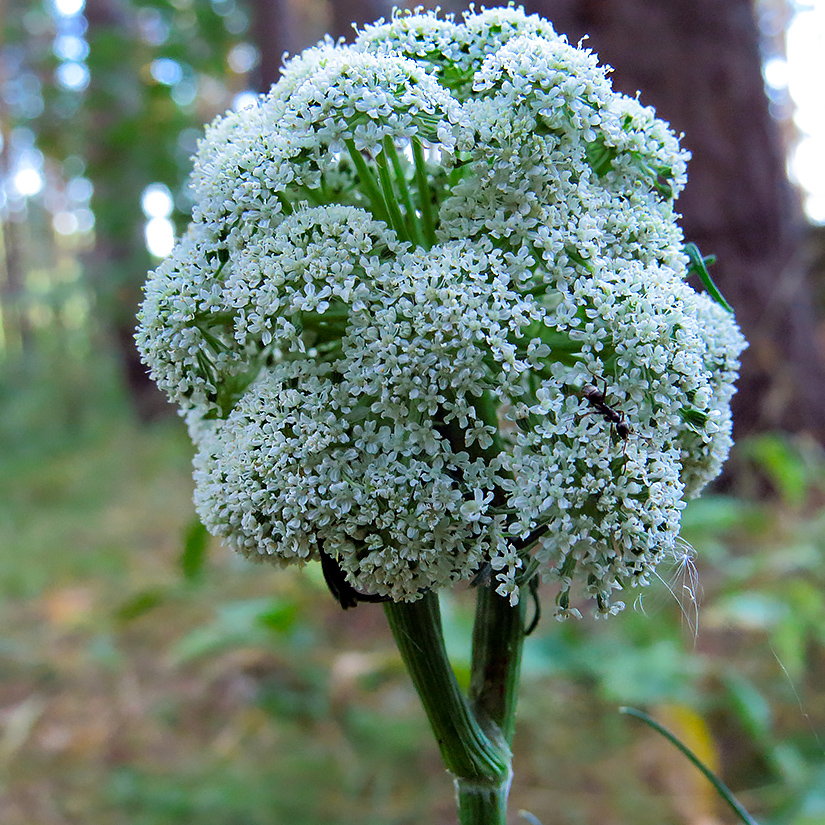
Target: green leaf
[784, 465]
[236, 624]
[281, 616]
[194, 550]
[139, 605]
[600, 156]
[715, 513]
[750, 705]
[718, 784]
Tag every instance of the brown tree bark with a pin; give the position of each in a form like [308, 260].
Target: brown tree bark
[698, 63]
[274, 31]
[360, 12]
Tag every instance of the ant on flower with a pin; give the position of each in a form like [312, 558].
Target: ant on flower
[598, 400]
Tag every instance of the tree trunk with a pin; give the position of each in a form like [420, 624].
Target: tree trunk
[360, 12]
[274, 33]
[698, 63]
[15, 334]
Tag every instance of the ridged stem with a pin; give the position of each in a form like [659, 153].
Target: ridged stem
[473, 734]
[498, 641]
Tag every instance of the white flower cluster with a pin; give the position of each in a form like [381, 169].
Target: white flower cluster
[430, 318]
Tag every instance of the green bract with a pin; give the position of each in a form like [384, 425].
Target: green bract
[431, 314]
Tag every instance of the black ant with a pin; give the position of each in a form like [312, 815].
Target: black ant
[598, 400]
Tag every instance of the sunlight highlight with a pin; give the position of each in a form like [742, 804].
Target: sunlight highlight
[160, 237]
[28, 182]
[804, 73]
[157, 204]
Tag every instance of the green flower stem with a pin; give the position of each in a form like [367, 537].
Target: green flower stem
[466, 749]
[285, 204]
[498, 641]
[412, 222]
[423, 191]
[371, 188]
[479, 758]
[473, 735]
[398, 223]
[482, 803]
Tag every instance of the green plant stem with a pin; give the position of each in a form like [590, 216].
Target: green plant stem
[472, 745]
[721, 788]
[422, 181]
[466, 749]
[498, 641]
[412, 223]
[473, 734]
[482, 803]
[390, 199]
[371, 188]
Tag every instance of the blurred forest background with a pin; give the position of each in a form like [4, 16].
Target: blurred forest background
[147, 676]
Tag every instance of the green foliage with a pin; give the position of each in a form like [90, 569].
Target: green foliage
[69, 483]
[127, 128]
[225, 794]
[195, 546]
[96, 520]
[141, 603]
[717, 784]
[192, 688]
[238, 623]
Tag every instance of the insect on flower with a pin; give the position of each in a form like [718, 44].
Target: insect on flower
[598, 400]
[406, 289]
[343, 592]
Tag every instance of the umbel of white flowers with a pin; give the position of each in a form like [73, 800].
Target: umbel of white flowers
[430, 317]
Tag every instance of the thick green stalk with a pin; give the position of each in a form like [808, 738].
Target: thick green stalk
[498, 641]
[467, 750]
[473, 735]
[482, 803]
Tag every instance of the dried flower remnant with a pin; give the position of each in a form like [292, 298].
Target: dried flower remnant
[408, 269]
